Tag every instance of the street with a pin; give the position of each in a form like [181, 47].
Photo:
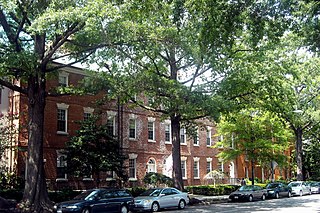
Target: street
[304, 204]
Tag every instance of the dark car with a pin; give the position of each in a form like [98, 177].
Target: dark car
[276, 190]
[98, 200]
[248, 193]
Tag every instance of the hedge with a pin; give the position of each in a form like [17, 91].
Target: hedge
[210, 190]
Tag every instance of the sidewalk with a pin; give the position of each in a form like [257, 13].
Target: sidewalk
[207, 200]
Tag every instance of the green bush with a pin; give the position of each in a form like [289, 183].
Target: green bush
[136, 191]
[155, 179]
[12, 194]
[63, 195]
[210, 190]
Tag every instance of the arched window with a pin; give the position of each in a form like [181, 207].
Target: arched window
[151, 165]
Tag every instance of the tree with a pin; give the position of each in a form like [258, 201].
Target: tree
[260, 136]
[33, 35]
[174, 53]
[93, 150]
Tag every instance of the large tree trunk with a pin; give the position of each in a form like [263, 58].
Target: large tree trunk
[176, 154]
[299, 154]
[35, 195]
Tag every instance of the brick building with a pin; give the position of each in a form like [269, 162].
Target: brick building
[145, 139]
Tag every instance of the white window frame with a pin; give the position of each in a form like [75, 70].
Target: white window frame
[197, 141]
[63, 75]
[167, 126]
[151, 166]
[65, 107]
[208, 136]
[184, 141]
[209, 160]
[135, 128]
[220, 165]
[60, 153]
[87, 111]
[196, 162]
[152, 121]
[184, 161]
[133, 157]
[111, 116]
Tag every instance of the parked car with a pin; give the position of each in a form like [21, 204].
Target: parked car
[315, 187]
[248, 193]
[98, 200]
[299, 188]
[158, 198]
[276, 190]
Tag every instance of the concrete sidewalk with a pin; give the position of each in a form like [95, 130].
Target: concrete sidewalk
[207, 200]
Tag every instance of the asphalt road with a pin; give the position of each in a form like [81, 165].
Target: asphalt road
[304, 204]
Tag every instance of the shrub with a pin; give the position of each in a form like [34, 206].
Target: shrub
[210, 190]
[63, 195]
[156, 179]
[135, 191]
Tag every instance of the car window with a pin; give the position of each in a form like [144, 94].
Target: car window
[174, 191]
[107, 194]
[123, 193]
[166, 192]
[151, 192]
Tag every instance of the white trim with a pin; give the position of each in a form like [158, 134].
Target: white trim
[151, 119]
[89, 110]
[209, 159]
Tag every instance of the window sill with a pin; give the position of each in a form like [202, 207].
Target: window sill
[196, 145]
[133, 139]
[62, 133]
[87, 179]
[61, 180]
[183, 144]
[110, 179]
[167, 142]
[133, 179]
[196, 178]
[152, 141]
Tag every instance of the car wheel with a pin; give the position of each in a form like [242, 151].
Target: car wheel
[289, 194]
[124, 209]
[263, 197]
[155, 207]
[300, 193]
[277, 195]
[85, 210]
[182, 204]
[250, 198]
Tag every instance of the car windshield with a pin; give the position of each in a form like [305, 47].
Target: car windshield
[86, 195]
[294, 184]
[245, 188]
[314, 184]
[151, 192]
[272, 186]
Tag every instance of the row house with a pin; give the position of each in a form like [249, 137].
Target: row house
[145, 139]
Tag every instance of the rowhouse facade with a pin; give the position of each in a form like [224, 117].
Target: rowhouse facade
[145, 138]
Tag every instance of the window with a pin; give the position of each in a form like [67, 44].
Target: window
[151, 129]
[62, 115]
[132, 128]
[132, 169]
[87, 113]
[183, 136]
[184, 168]
[63, 79]
[209, 166]
[110, 175]
[61, 165]
[196, 138]
[209, 136]
[220, 165]
[167, 132]
[196, 174]
[111, 125]
[151, 165]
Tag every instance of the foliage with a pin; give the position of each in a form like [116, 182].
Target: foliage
[8, 131]
[135, 191]
[9, 180]
[311, 159]
[215, 174]
[210, 190]
[260, 136]
[62, 195]
[93, 150]
[155, 179]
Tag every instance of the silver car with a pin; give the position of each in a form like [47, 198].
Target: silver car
[157, 198]
[299, 188]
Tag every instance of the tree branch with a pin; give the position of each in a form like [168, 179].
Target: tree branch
[13, 87]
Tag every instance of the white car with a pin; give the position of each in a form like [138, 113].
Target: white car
[157, 198]
[299, 188]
